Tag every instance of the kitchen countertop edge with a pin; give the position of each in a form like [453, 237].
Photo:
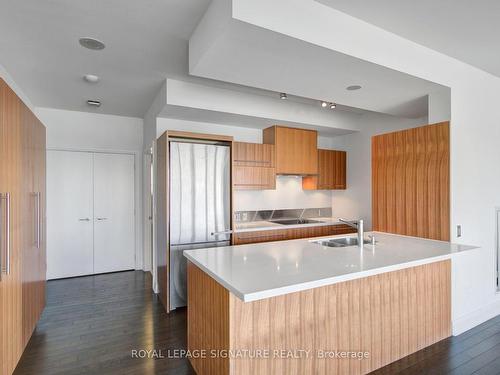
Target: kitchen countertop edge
[274, 292]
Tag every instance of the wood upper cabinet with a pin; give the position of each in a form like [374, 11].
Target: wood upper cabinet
[332, 172]
[253, 166]
[296, 150]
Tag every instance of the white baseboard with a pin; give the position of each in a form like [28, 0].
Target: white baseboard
[473, 319]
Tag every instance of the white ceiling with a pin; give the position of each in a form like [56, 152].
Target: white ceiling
[226, 49]
[250, 108]
[464, 29]
[145, 41]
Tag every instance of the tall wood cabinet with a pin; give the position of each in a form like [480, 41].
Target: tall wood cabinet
[22, 226]
[296, 150]
[411, 182]
[332, 172]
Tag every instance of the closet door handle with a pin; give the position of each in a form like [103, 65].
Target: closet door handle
[38, 220]
[6, 197]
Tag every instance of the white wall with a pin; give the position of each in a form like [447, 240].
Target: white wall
[356, 201]
[288, 194]
[70, 130]
[439, 104]
[475, 129]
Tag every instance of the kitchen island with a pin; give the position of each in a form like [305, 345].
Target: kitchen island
[298, 307]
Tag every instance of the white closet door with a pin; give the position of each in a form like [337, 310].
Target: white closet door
[114, 230]
[69, 214]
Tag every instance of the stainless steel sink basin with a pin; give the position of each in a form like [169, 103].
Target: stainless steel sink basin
[295, 221]
[341, 242]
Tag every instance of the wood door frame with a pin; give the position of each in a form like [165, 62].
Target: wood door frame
[116, 152]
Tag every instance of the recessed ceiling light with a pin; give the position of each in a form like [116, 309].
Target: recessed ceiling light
[92, 43]
[91, 78]
[324, 104]
[283, 96]
[353, 87]
[94, 103]
[333, 105]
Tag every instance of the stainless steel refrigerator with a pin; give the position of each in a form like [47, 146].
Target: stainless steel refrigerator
[200, 211]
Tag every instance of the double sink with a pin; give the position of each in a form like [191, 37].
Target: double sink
[332, 242]
[340, 242]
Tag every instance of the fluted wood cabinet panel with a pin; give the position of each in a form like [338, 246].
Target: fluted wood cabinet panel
[296, 150]
[290, 234]
[253, 166]
[389, 316]
[332, 172]
[411, 182]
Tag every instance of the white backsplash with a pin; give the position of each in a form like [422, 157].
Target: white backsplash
[288, 194]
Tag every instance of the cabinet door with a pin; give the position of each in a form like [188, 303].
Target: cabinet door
[10, 236]
[114, 229]
[340, 179]
[253, 166]
[253, 154]
[33, 213]
[332, 172]
[296, 151]
[254, 178]
[70, 214]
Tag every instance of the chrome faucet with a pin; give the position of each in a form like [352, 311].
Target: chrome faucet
[358, 225]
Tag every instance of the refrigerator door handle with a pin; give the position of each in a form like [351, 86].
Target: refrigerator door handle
[227, 231]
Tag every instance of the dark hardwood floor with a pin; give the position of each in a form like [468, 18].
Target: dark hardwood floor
[92, 324]
[476, 351]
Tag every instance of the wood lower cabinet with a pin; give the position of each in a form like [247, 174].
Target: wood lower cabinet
[296, 150]
[389, 316]
[22, 229]
[253, 166]
[290, 234]
[332, 172]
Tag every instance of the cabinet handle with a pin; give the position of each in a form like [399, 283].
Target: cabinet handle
[84, 219]
[101, 218]
[7, 234]
[37, 197]
[37, 219]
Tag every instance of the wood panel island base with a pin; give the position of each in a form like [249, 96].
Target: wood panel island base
[350, 327]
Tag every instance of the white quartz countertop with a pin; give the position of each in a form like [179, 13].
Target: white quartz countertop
[253, 226]
[258, 271]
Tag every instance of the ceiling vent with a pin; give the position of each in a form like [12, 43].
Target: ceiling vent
[94, 103]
